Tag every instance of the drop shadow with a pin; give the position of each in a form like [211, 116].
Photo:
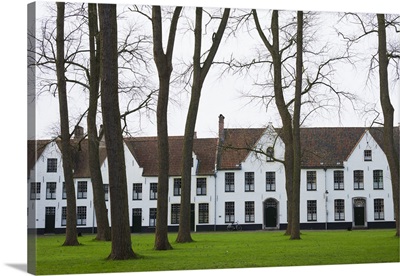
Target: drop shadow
[20, 267]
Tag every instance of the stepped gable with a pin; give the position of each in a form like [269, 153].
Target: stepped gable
[35, 149]
[144, 149]
[236, 146]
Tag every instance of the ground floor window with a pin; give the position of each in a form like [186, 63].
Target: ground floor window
[379, 209]
[35, 190]
[64, 216]
[311, 210]
[339, 209]
[175, 208]
[249, 211]
[153, 215]
[229, 212]
[81, 215]
[203, 212]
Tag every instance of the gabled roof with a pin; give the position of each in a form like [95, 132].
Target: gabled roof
[144, 149]
[321, 147]
[35, 149]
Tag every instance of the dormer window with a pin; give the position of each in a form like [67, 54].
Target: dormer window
[270, 154]
[367, 155]
[51, 165]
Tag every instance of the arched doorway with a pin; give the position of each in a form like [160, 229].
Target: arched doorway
[359, 212]
[270, 213]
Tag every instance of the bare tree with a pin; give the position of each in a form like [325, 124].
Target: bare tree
[200, 72]
[71, 237]
[387, 108]
[103, 226]
[163, 62]
[121, 246]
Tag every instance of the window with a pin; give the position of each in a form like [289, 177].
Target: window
[249, 211]
[201, 186]
[249, 181]
[35, 190]
[153, 191]
[270, 181]
[64, 216]
[339, 209]
[152, 218]
[203, 212]
[106, 191]
[229, 182]
[270, 154]
[358, 180]
[367, 155]
[378, 179]
[82, 189]
[51, 190]
[338, 180]
[81, 215]
[379, 209]
[311, 210]
[311, 181]
[137, 191]
[64, 191]
[175, 208]
[177, 186]
[229, 212]
[51, 165]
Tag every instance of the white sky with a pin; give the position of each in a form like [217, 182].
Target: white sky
[14, 117]
[223, 96]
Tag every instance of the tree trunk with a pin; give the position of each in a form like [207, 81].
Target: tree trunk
[71, 237]
[387, 108]
[103, 227]
[199, 75]
[295, 230]
[121, 246]
[164, 67]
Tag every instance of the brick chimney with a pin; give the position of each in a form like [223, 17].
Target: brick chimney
[79, 133]
[221, 126]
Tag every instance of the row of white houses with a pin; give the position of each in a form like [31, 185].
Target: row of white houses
[345, 181]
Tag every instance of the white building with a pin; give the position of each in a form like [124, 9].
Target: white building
[345, 181]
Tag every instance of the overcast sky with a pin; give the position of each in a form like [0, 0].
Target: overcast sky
[223, 95]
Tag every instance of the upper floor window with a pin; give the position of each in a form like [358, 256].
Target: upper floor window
[270, 181]
[270, 154]
[35, 190]
[201, 188]
[64, 191]
[51, 164]
[249, 181]
[367, 155]
[311, 181]
[338, 180]
[137, 191]
[177, 186]
[153, 191]
[229, 182]
[82, 189]
[358, 176]
[378, 179]
[51, 190]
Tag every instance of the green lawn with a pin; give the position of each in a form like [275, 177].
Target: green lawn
[221, 250]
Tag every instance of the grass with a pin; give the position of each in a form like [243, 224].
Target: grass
[221, 250]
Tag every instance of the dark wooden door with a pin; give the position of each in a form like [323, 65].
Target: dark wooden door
[136, 220]
[50, 220]
[359, 219]
[270, 217]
